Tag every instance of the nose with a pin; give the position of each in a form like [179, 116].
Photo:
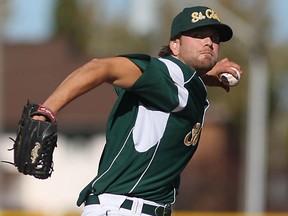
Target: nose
[208, 41]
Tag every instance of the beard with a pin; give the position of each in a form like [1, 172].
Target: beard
[202, 66]
[202, 61]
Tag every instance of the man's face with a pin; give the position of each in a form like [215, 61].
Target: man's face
[198, 49]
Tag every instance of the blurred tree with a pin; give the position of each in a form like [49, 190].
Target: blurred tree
[4, 12]
[71, 23]
[90, 31]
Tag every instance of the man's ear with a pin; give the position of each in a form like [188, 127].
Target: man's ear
[174, 46]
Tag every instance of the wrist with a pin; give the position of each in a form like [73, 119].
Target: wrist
[46, 112]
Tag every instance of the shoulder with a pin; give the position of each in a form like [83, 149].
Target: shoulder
[141, 60]
[137, 56]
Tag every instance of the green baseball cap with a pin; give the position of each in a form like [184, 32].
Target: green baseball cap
[199, 16]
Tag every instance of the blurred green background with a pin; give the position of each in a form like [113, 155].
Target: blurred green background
[242, 162]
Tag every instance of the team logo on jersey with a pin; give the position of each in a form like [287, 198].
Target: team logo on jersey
[193, 136]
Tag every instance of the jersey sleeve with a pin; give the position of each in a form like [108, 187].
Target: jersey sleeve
[155, 88]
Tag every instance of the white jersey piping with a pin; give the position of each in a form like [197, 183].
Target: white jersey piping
[114, 159]
[145, 169]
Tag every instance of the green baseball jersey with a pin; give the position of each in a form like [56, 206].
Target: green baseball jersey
[152, 132]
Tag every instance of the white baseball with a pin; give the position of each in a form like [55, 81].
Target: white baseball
[229, 80]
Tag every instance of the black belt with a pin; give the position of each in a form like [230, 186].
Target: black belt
[127, 204]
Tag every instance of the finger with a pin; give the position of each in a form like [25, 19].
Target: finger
[234, 71]
[224, 60]
[237, 67]
[39, 117]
